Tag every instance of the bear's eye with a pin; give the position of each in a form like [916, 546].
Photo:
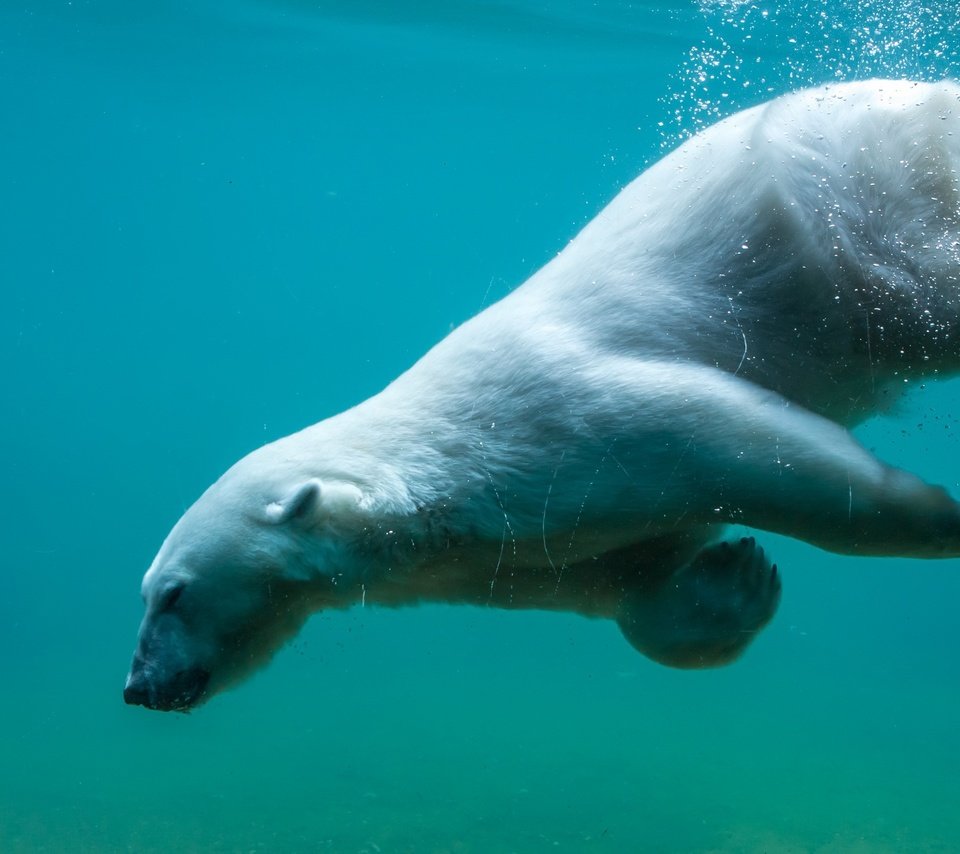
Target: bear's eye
[170, 596]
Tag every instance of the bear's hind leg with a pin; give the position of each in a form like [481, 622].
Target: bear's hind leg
[706, 613]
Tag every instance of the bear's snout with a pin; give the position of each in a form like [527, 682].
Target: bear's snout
[136, 692]
[180, 693]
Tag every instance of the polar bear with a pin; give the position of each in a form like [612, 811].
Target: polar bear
[692, 359]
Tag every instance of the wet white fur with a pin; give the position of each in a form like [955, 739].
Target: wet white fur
[692, 358]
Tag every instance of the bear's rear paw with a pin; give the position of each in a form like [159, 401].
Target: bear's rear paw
[706, 613]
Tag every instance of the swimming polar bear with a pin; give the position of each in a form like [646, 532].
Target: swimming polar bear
[692, 359]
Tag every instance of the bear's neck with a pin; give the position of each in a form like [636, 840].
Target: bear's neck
[424, 473]
[438, 522]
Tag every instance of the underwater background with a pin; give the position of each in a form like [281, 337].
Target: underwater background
[223, 221]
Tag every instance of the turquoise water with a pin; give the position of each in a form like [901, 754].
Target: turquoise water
[224, 221]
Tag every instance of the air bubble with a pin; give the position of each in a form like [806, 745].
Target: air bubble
[805, 43]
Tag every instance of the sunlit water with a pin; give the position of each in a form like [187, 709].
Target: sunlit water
[220, 225]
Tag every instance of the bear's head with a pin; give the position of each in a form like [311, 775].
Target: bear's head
[235, 579]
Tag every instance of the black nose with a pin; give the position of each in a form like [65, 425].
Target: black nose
[179, 693]
[135, 692]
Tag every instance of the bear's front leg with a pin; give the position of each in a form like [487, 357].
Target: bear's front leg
[707, 612]
[709, 447]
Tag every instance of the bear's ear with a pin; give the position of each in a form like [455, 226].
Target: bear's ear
[300, 503]
[313, 499]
